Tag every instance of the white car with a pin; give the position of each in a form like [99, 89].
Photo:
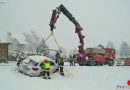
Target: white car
[120, 62]
[31, 65]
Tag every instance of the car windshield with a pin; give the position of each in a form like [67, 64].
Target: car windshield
[33, 63]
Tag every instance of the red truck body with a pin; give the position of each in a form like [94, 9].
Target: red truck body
[96, 56]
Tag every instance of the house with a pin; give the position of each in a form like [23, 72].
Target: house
[4, 52]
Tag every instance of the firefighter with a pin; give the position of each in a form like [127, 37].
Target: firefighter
[71, 60]
[46, 68]
[57, 57]
[60, 64]
[74, 59]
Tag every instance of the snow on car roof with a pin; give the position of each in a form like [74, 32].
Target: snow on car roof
[38, 58]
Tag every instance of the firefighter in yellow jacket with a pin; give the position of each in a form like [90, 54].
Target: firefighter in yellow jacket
[46, 69]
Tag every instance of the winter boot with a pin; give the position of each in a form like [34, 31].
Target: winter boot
[62, 73]
[44, 77]
[49, 77]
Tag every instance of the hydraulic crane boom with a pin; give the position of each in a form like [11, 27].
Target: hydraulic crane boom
[78, 28]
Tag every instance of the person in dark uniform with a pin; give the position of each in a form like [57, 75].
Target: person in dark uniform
[57, 57]
[71, 60]
[61, 65]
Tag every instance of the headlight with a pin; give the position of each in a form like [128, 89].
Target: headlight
[122, 62]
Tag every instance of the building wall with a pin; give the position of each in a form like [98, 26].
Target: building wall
[4, 52]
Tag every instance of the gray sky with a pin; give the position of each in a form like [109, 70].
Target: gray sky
[102, 21]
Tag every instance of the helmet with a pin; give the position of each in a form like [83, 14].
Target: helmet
[45, 59]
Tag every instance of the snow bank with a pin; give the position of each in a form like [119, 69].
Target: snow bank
[76, 78]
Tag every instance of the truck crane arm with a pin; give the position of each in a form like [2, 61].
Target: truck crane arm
[78, 28]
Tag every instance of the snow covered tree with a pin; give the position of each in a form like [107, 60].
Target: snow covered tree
[63, 50]
[35, 36]
[9, 37]
[34, 45]
[74, 51]
[14, 46]
[110, 45]
[42, 48]
[124, 50]
[31, 46]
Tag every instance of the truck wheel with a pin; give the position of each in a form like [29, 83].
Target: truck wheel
[80, 64]
[92, 63]
[100, 64]
[111, 63]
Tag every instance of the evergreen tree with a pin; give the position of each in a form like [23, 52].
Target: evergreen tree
[34, 44]
[14, 46]
[124, 50]
[110, 45]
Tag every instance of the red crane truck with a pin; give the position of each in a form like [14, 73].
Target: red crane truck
[97, 56]
[105, 56]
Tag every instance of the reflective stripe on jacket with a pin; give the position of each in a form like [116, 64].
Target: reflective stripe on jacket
[46, 65]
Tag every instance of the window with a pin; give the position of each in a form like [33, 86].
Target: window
[106, 51]
[31, 62]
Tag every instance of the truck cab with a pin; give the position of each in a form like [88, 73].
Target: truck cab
[100, 56]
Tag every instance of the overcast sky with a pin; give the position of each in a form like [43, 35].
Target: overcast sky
[102, 21]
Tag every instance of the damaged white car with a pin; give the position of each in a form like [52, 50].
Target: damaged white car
[31, 65]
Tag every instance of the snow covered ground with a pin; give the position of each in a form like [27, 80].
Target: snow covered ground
[76, 78]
